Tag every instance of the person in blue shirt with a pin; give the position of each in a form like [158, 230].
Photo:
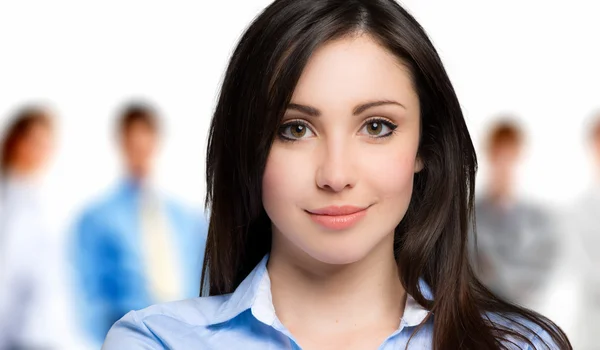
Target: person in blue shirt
[340, 181]
[135, 247]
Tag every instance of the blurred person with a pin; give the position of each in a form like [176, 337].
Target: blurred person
[135, 246]
[585, 218]
[28, 258]
[516, 239]
[340, 177]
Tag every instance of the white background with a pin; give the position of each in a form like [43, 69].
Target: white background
[539, 60]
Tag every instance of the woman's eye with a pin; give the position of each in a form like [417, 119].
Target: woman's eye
[295, 131]
[378, 128]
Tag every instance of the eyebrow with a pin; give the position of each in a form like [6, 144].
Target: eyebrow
[314, 112]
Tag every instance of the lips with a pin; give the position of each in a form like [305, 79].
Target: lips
[337, 217]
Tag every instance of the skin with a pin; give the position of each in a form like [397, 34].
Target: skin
[33, 152]
[139, 144]
[504, 161]
[346, 281]
[596, 151]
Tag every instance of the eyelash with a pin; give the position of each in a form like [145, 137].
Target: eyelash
[383, 121]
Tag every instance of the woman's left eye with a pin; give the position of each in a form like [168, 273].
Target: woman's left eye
[378, 128]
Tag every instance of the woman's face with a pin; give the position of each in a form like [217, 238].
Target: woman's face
[35, 149]
[339, 177]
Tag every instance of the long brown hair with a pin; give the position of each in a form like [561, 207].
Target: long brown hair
[430, 241]
[17, 129]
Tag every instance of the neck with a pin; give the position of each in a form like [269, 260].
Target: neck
[138, 178]
[321, 298]
[22, 171]
[500, 191]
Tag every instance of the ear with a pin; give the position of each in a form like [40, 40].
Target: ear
[419, 164]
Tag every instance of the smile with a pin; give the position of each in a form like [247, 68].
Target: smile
[338, 218]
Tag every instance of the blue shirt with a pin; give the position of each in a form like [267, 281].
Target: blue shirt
[108, 259]
[245, 319]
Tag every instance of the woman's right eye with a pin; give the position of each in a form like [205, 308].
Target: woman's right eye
[295, 131]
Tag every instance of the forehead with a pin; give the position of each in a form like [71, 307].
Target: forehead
[38, 127]
[352, 69]
[140, 126]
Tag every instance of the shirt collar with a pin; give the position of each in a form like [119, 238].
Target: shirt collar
[245, 295]
[414, 313]
[254, 294]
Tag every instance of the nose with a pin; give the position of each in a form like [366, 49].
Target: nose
[336, 170]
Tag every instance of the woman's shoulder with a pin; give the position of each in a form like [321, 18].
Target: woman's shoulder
[152, 327]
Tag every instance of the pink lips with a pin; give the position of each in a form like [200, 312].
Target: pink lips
[338, 218]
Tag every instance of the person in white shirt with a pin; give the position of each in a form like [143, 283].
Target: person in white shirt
[26, 253]
[585, 218]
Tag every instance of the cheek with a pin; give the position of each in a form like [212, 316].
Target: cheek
[285, 179]
[272, 182]
[392, 175]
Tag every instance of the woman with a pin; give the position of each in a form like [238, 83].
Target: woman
[340, 180]
[26, 260]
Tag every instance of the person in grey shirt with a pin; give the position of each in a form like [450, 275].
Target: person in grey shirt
[516, 239]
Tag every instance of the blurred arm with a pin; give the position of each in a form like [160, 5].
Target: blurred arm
[93, 308]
